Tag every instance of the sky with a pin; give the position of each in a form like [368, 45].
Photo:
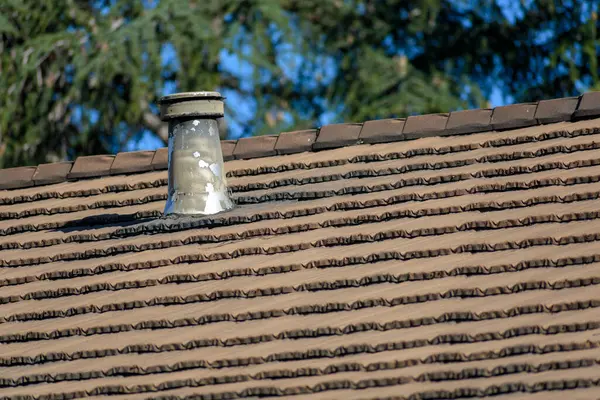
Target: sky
[149, 141]
[230, 62]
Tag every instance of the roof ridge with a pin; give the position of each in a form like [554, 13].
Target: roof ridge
[507, 117]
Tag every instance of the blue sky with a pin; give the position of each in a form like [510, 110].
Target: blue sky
[244, 107]
[149, 141]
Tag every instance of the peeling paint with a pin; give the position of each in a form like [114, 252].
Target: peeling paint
[216, 169]
[197, 184]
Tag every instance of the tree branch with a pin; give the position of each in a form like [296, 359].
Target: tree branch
[153, 123]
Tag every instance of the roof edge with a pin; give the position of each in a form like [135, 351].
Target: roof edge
[507, 117]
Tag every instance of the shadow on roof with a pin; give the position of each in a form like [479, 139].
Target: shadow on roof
[103, 221]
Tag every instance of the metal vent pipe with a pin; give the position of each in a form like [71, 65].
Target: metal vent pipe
[197, 183]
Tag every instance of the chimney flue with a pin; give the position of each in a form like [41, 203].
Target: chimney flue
[197, 183]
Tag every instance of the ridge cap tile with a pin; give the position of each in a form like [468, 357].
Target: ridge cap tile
[469, 121]
[459, 122]
[255, 146]
[588, 107]
[17, 177]
[228, 147]
[556, 110]
[513, 116]
[382, 130]
[132, 161]
[52, 173]
[337, 135]
[91, 166]
[160, 161]
[426, 125]
[296, 141]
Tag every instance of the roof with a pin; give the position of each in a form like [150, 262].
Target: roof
[463, 262]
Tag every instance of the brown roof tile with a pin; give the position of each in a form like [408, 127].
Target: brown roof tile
[133, 161]
[423, 267]
[46, 174]
[382, 130]
[14, 178]
[295, 142]
[91, 166]
[161, 159]
[514, 116]
[258, 146]
[227, 147]
[469, 121]
[556, 110]
[589, 106]
[337, 135]
[425, 126]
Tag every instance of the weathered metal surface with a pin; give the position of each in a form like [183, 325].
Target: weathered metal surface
[192, 109]
[197, 184]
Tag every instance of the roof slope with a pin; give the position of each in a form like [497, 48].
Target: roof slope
[441, 267]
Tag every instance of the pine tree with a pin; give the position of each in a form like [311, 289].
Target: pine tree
[83, 77]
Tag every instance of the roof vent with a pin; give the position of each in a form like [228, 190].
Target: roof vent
[197, 183]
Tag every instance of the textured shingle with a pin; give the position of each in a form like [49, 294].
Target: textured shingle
[444, 267]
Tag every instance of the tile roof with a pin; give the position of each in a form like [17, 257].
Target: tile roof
[447, 266]
[332, 136]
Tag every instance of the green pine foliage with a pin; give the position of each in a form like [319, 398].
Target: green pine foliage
[82, 77]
